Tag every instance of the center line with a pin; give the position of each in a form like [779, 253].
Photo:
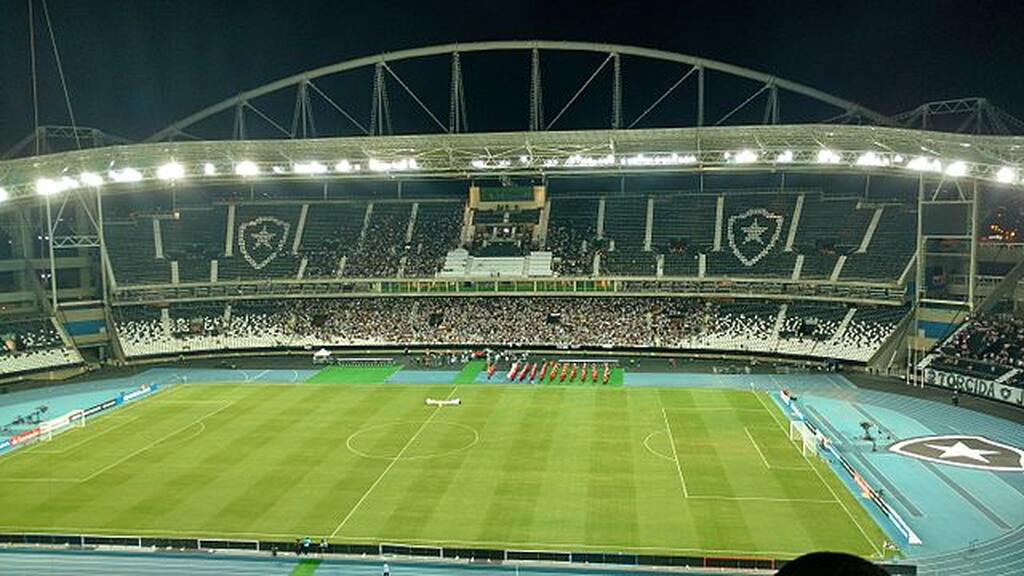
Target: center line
[390, 466]
[675, 455]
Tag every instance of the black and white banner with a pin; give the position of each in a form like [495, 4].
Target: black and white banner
[976, 386]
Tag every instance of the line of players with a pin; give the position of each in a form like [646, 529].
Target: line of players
[552, 371]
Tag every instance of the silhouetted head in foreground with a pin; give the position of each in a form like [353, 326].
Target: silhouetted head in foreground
[830, 564]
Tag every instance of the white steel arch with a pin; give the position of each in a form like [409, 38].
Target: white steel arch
[771, 83]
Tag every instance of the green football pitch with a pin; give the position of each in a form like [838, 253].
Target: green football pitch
[531, 467]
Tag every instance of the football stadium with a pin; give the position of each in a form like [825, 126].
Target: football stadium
[359, 319]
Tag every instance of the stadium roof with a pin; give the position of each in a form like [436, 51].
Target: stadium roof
[808, 148]
[450, 151]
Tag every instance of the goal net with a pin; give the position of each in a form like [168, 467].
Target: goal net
[73, 419]
[800, 433]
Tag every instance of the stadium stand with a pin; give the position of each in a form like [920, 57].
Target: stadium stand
[988, 347]
[332, 233]
[890, 249]
[382, 243]
[617, 322]
[194, 238]
[262, 242]
[572, 232]
[624, 230]
[764, 250]
[828, 228]
[31, 345]
[682, 228]
[132, 252]
[435, 232]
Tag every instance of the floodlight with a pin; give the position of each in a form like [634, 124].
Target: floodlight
[784, 157]
[956, 169]
[872, 159]
[343, 166]
[3, 194]
[309, 168]
[170, 171]
[745, 157]
[826, 156]
[48, 187]
[91, 179]
[922, 164]
[1006, 175]
[278, 169]
[247, 168]
[209, 169]
[125, 175]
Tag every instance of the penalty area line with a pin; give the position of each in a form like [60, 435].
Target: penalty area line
[390, 465]
[758, 448]
[131, 455]
[823, 481]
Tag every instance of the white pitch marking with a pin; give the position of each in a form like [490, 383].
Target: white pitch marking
[390, 465]
[823, 481]
[675, 454]
[647, 439]
[758, 448]
[155, 442]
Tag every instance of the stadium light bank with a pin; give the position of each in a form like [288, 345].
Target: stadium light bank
[173, 170]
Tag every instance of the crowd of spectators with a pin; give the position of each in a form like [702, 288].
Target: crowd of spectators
[382, 247]
[507, 322]
[987, 347]
[27, 345]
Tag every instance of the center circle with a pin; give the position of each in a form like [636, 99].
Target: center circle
[406, 440]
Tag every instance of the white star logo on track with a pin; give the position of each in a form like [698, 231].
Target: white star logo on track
[961, 450]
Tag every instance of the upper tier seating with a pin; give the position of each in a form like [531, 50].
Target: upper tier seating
[684, 227]
[132, 253]
[382, 245]
[624, 228]
[262, 243]
[760, 224]
[331, 233]
[437, 230]
[572, 231]
[194, 239]
[828, 228]
[682, 230]
[891, 248]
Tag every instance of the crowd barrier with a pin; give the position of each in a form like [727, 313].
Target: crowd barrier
[495, 555]
[870, 493]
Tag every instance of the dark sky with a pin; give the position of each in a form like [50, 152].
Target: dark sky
[134, 66]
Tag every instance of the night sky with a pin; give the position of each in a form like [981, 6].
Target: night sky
[134, 66]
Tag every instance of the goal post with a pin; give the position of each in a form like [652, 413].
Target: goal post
[800, 432]
[72, 419]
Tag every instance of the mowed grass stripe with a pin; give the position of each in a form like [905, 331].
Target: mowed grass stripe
[354, 374]
[553, 467]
